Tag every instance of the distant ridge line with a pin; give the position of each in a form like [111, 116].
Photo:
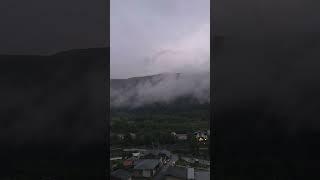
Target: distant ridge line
[147, 76]
[82, 50]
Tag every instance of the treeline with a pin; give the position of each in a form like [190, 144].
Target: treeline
[155, 138]
[158, 124]
[182, 104]
[147, 138]
[200, 114]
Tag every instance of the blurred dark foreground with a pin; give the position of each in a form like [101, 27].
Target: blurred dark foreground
[53, 115]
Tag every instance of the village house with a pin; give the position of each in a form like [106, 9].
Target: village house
[121, 174]
[115, 158]
[146, 168]
[202, 175]
[182, 136]
[179, 136]
[154, 156]
[183, 173]
[137, 162]
[201, 135]
[179, 173]
[162, 155]
[165, 154]
[128, 163]
[136, 155]
[151, 154]
[133, 152]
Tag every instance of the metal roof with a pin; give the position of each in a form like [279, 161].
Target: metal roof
[137, 161]
[178, 172]
[147, 164]
[120, 173]
[166, 152]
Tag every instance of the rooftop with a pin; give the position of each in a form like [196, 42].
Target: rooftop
[178, 172]
[136, 162]
[203, 175]
[166, 152]
[120, 173]
[147, 164]
[187, 173]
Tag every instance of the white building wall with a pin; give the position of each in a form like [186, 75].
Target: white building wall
[146, 173]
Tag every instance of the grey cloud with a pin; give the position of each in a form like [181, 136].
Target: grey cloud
[159, 37]
[142, 29]
[163, 88]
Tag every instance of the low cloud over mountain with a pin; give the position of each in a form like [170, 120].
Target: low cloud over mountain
[161, 88]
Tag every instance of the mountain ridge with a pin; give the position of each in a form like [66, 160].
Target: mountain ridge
[165, 89]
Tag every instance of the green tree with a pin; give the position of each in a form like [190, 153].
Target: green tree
[194, 145]
[127, 140]
[148, 138]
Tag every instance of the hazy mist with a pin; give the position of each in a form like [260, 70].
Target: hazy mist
[163, 88]
[152, 37]
[159, 37]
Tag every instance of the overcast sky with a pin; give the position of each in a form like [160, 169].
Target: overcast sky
[150, 37]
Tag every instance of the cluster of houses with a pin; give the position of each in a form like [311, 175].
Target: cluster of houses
[141, 164]
[147, 164]
[172, 173]
[183, 173]
[201, 136]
